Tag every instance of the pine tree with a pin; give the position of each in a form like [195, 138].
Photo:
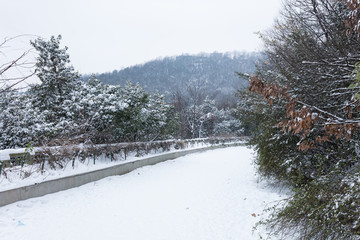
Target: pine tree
[56, 74]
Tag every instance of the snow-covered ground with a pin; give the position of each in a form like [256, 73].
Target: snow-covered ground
[15, 175]
[209, 195]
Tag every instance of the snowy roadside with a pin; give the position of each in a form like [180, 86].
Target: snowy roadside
[209, 195]
[20, 176]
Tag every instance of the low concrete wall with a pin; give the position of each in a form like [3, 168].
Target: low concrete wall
[56, 185]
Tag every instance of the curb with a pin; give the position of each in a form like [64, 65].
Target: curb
[64, 183]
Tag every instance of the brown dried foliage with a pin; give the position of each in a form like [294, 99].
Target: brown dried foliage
[302, 121]
[270, 91]
[353, 19]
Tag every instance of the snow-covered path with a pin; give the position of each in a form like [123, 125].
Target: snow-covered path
[203, 196]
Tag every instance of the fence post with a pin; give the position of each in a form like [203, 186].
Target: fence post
[73, 160]
[43, 163]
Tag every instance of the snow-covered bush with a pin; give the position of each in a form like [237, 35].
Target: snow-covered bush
[304, 119]
[144, 117]
[21, 122]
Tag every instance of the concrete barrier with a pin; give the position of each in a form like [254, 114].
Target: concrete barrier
[56, 185]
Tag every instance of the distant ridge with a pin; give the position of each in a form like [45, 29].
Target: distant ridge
[215, 72]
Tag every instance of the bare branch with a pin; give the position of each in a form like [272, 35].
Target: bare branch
[8, 78]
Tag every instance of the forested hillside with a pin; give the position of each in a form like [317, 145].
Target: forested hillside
[201, 88]
[215, 73]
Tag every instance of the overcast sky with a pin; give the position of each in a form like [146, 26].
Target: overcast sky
[103, 35]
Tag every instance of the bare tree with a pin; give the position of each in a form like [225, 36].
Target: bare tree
[16, 71]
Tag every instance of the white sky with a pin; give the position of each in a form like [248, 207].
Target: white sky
[112, 34]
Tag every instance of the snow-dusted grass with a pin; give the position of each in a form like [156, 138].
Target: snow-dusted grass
[209, 195]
